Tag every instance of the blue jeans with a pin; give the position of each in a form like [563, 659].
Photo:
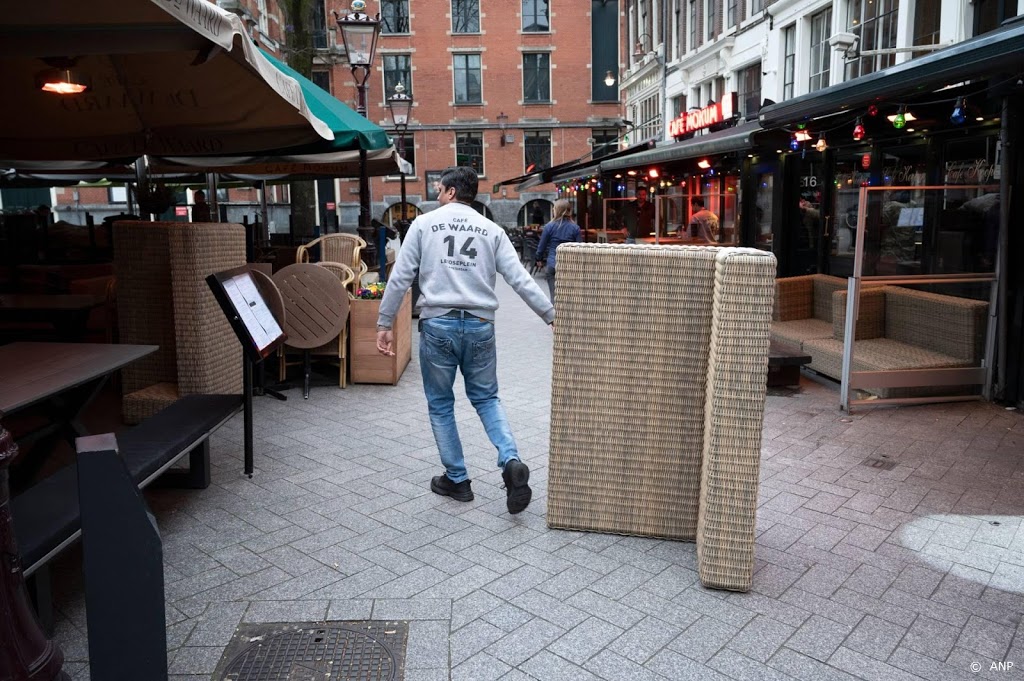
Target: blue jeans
[550, 273]
[447, 344]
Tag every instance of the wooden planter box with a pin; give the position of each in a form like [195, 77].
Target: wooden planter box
[366, 364]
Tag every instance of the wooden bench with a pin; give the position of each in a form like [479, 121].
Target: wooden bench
[46, 515]
[784, 364]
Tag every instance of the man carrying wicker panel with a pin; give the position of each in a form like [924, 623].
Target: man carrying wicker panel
[457, 254]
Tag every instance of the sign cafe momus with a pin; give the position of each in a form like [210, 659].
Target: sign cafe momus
[698, 119]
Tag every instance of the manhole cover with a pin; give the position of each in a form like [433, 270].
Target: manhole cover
[879, 463]
[316, 651]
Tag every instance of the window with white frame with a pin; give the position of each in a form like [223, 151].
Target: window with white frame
[319, 32]
[756, 6]
[650, 115]
[731, 13]
[692, 18]
[467, 79]
[397, 69]
[535, 16]
[536, 78]
[117, 194]
[710, 8]
[394, 16]
[749, 90]
[605, 141]
[469, 150]
[927, 18]
[789, 62]
[536, 150]
[465, 16]
[263, 19]
[874, 22]
[821, 29]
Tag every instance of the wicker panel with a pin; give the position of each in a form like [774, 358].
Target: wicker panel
[870, 314]
[794, 298]
[797, 331]
[627, 407]
[209, 355]
[824, 287]
[734, 412]
[141, 404]
[144, 313]
[944, 324]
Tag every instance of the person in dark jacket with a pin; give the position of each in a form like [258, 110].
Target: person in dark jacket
[560, 230]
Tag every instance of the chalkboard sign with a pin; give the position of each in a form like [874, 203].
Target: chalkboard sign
[248, 312]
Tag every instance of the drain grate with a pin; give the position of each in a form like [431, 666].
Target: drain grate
[883, 464]
[316, 651]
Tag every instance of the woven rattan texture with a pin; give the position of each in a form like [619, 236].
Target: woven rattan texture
[139, 405]
[799, 330]
[945, 324]
[794, 298]
[144, 313]
[824, 287]
[870, 314]
[743, 295]
[627, 406]
[209, 356]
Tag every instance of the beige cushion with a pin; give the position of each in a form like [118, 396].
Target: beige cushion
[796, 332]
[945, 324]
[870, 315]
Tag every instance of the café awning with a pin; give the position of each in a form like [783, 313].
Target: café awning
[166, 78]
[739, 138]
[985, 55]
[547, 175]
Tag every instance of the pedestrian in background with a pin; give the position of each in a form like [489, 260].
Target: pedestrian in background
[457, 253]
[560, 230]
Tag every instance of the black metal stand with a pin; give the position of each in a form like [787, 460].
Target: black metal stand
[262, 390]
[122, 560]
[247, 411]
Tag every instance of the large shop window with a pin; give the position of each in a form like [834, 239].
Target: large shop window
[537, 78]
[875, 23]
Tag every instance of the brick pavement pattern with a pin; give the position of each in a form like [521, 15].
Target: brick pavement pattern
[861, 572]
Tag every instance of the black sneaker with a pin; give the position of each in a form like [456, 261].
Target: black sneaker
[459, 491]
[516, 474]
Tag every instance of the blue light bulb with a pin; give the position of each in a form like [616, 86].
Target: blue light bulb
[794, 144]
[959, 115]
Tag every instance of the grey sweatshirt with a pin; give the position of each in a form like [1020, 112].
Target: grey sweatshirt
[457, 253]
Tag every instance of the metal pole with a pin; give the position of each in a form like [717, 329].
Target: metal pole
[401, 152]
[995, 386]
[264, 213]
[365, 229]
[211, 196]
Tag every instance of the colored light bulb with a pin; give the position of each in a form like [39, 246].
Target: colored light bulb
[821, 145]
[959, 115]
[900, 121]
[858, 131]
[872, 110]
[794, 144]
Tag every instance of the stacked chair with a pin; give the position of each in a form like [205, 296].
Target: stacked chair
[658, 389]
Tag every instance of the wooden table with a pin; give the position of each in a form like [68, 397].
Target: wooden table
[784, 364]
[316, 309]
[67, 312]
[63, 377]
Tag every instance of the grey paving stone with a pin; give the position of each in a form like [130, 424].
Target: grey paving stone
[743, 668]
[672, 665]
[507, 617]
[480, 667]
[703, 639]
[875, 638]
[563, 615]
[644, 639]
[350, 610]
[195, 660]
[822, 581]
[928, 667]
[805, 668]
[585, 640]
[931, 637]
[286, 611]
[864, 667]
[427, 646]
[216, 626]
[412, 609]
[819, 638]
[520, 645]
[761, 638]
[549, 667]
[612, 667]
[986, 638]
[472, 638]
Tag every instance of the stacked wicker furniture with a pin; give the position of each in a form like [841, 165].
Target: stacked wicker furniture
[163, 299]
[658, 390]
[340, 248]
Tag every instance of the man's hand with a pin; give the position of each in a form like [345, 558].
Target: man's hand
[386, 342]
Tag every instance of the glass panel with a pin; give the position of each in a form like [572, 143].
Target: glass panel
[467, 79]
[821, 28]
[469, 151]
[319, 32]
[537, 148]
[394, 16]
[535, 16]
[763, 211]
[536, 77]
[465, 16]
[789, 68]
[397, 69]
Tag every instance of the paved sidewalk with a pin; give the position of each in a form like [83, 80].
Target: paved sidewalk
[913, 572]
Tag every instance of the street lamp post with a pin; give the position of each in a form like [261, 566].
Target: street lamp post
[359, 33]
[400, 105]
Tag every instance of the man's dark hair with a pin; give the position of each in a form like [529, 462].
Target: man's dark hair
[199, 194]
[697, 201]
[463, 180]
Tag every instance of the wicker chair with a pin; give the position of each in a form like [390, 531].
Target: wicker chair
[338, 248]
[337, 348]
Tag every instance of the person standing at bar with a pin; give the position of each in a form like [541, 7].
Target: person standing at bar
[560, 230]
[201, 209]
[458, 253]
[703, 223]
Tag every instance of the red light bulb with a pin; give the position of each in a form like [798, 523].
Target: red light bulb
[872, 110]
[858, 131]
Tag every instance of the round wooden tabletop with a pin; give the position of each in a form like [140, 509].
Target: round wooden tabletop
[316, 304]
